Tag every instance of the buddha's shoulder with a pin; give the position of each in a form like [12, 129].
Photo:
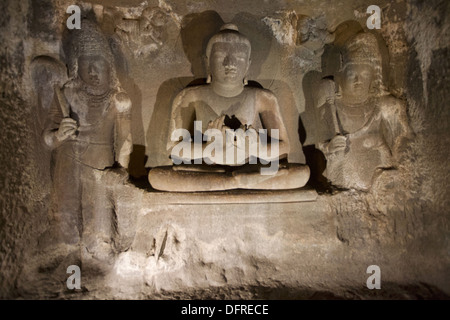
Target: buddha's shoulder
[191, 94]
[195, 91]
[261, 94]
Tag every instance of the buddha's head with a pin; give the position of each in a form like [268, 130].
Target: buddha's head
[228, 58]
[360, 73]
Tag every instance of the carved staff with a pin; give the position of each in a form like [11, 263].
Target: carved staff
[62, 102]
[327, 94]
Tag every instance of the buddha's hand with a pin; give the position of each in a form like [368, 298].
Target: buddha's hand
[67, 129]
[247, 139]
[337, 144]
[219, 125]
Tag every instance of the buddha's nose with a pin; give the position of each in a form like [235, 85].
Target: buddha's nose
[229, 61]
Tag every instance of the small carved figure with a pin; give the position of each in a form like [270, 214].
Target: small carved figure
[88, 129]
[146, 34]
[225, 104]
[365, 129]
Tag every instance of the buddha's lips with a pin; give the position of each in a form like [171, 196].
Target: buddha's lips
[230, 71]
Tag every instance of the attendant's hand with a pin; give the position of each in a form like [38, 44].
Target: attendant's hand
[337, 144]
[67, 129]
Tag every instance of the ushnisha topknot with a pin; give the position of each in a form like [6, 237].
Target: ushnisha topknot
[228, 33]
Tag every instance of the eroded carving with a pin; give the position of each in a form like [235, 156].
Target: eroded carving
[88, 129]
[364, 128]
[146, 34]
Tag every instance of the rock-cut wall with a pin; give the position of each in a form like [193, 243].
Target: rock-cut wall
[313, 245]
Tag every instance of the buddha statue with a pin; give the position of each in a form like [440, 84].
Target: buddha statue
[239, 137]
[366, 128]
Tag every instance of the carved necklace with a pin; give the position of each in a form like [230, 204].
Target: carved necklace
[97, 104]
[356, 116]
[93, 95]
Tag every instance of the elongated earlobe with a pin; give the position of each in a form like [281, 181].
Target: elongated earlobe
[246, 75]
[208, 72]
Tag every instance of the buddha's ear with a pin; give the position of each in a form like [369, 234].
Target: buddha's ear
[208, 71]
[247, 71]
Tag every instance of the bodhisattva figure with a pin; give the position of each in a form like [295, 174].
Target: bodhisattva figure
[226, 134]
[88, 130]
[366, 129]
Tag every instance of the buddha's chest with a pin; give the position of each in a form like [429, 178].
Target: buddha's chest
[238, 111]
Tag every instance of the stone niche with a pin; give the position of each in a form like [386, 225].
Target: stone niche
[87, 114]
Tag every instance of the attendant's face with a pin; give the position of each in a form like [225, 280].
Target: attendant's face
[229, 62]
[357, 79]
[94, 70]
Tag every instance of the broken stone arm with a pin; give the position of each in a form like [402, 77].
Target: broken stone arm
[270, 115]
[58, 128]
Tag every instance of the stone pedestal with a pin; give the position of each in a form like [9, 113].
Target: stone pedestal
[227, 239]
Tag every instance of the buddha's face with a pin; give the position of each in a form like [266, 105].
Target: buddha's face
[94, 70]
[229, 62]
[356, 80]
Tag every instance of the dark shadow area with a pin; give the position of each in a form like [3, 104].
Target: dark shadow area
[158, 130]
[309, 132]
[196, 30]
[390, 291]
[260, 38]
[141, 182]
[138, 158]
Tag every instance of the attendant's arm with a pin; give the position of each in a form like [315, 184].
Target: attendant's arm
[395, 127]
[270, 115]
[57, 128]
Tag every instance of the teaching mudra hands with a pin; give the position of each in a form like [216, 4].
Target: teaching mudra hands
[235, 140]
